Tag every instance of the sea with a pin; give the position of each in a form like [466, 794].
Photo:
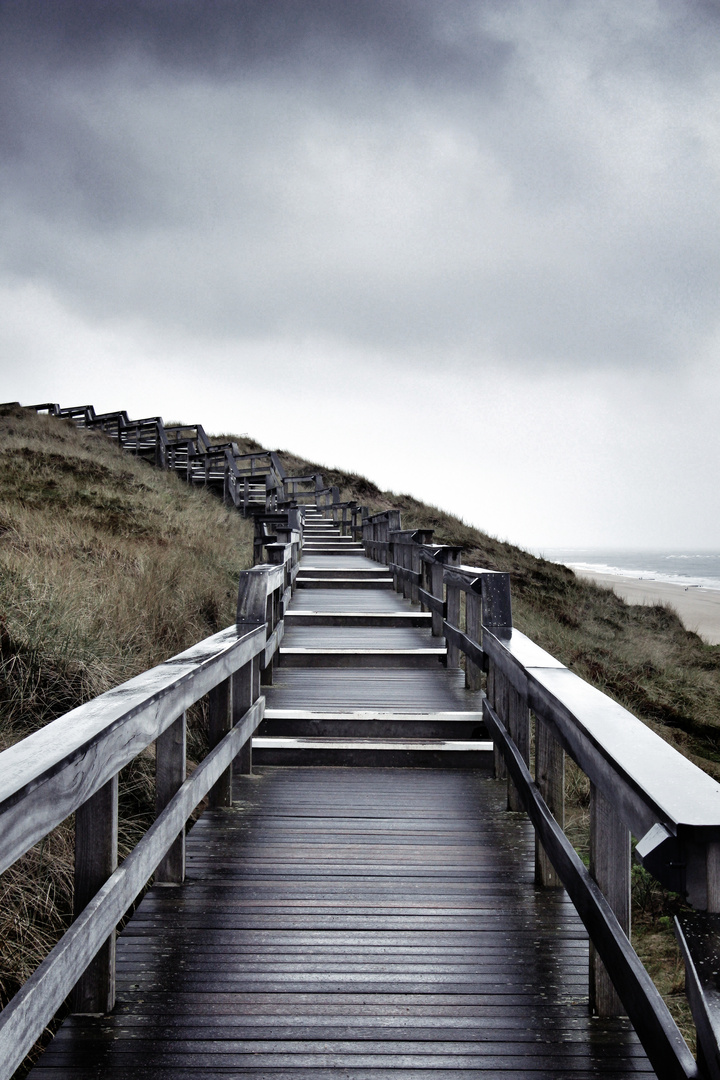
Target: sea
[692, 569]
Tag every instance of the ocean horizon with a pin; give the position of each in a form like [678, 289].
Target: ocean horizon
[691, 569]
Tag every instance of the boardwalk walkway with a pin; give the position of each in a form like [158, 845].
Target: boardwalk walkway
[354, 922]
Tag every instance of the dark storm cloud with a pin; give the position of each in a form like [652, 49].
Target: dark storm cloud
[535, 182]
[409, 37]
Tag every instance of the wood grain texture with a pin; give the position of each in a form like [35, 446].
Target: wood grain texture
[652, 1020]
[644, 777]
[25, 1017]
[96, 854]
[610, 866]
[377, 924]
[47, 776]
[550, 779]
[170, 753]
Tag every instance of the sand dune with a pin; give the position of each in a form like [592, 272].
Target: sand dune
[699, 609]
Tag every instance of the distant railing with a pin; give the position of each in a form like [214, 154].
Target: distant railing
[72, 764]
[252, 482]
[640, 786]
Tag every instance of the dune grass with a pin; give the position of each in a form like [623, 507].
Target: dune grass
[107, 567]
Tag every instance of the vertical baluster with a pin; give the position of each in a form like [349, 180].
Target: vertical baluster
[713, 876]
[550, 779]
[497, 695]
[266, 677]
[243, 696]
[436, 588]
[406, 563]
[610, 866]
[170, 754]
[473, 673]
[220, 722]
[453, 617]
[96, 832]
[415, 566]
[518, 726]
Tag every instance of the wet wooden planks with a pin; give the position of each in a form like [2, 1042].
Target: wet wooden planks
[363, 924]
[366, 600]
[334, 689]
[359, 637]
[341, 560]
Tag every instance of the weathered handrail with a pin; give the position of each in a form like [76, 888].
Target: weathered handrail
[249, 481]
[699, 938]
[640, 785]
[72, 765]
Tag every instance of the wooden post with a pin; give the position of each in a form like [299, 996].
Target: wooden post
[518, 726]
[415, 566]
[550, 779]
[473, 673]
[220, 722]
[425, 581]
[394, 558]
[610, 866]
[266, 675]
[497, 696]
[436, 588]
[96, 832]
[713, 876]
[497, 618]
[406, 563]
[169, 778]
[453, 617]
[243, 696]
[496, 605]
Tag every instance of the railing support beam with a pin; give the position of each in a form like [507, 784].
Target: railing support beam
[243, 696]
[610, 867]
[220, 724]
[170, 755]
[550, 779]
[96, 834]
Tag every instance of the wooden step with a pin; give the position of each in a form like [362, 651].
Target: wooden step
[362, 658]
[327, 549]
[359, 753]
[358, 618]
[343, 583]
[377, 724]
[337, 543]
[361, 573]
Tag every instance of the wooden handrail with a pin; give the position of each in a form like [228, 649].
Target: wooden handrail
[639, 783]
[72, 765]
[666, 1048]
[186, 448]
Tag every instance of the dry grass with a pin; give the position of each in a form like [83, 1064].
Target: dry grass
[107, 567]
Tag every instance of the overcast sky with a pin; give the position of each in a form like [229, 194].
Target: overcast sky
[470, 249]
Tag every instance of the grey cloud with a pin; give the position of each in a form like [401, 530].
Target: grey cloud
[225, 37]
[535, 182]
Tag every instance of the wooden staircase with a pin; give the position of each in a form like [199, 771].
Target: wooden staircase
[361, 680]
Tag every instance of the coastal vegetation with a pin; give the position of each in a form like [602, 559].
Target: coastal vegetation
[108, 566]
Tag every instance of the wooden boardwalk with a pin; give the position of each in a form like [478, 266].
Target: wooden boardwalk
[362, 923]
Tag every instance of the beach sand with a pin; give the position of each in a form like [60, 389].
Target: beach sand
[699, 609]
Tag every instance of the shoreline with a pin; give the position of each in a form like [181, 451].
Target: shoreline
[698, 608]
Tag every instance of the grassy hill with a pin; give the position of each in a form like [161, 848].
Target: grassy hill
[107, 567]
